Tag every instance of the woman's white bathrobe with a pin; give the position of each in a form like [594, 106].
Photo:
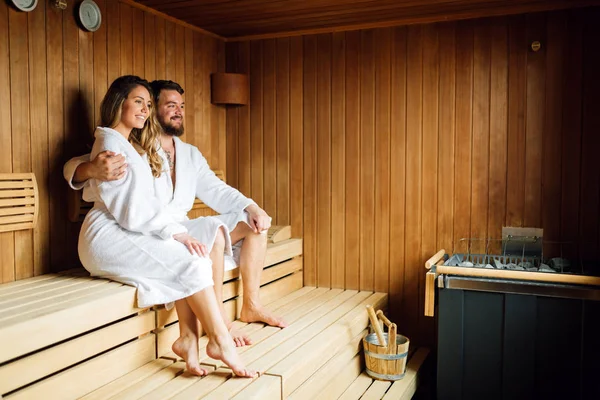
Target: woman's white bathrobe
[194, 179]
[128, 234]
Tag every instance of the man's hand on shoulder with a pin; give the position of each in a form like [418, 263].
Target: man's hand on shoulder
[107, 166]
[259, 219]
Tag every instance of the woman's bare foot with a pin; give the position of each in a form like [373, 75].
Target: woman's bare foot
[259, 314]
[223, 348]
[186, 347]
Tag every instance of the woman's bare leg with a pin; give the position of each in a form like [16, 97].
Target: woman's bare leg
[186, 346]
[220, 344]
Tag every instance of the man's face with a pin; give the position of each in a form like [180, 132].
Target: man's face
[170, 112]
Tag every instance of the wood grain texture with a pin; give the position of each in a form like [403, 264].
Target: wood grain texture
[467, 110]
[54, 75]
[279, 17]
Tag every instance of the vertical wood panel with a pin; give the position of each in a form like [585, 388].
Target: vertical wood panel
[338, 160]
[296, 136]
[534, 125]
[39, 135]
[126, 39]
[464, 115]
[188, 59]
[161, 51]
[256, 121]
[86, 86]
[517, 96]
[429, 187]
[232, 53]
[414, 143]
[179, 54]
[309, 124]
[149, 46]
[269, 126]
[382, 159]
[481, 136]
[19, 100]
[352, 156]
[100, 63]
[218, 132]
[551, 167]
[447, 93]
[571, 133]
[197, 93]
[367, 160]
[170, 55]
[244, 150]
[283, 131]
[7, 239]
[56, 132]
[398, 175]
[139, 37]
[498, 131]
[323, 154]
[113, 27]
[590, 173]
[74, 115]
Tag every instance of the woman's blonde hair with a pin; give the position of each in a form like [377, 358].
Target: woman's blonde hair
[144, 140]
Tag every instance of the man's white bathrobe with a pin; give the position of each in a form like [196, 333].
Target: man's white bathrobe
[194, 179]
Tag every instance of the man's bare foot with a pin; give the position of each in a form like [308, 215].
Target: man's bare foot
[259, 314]
[239, 339]
[186, 347]
[222, 348]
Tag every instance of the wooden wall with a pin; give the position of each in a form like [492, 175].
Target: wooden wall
[382, 146]
[53, 76]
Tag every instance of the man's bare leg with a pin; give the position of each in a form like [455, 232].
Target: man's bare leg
[252, 259]
[216, 256]
[186, 346]
[220, 344]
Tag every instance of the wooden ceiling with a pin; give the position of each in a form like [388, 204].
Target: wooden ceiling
[243, 18]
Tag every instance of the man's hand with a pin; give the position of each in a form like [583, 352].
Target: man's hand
[259, 219]
[108, 166]
[192, 244]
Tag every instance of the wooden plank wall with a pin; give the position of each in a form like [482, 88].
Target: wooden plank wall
[382, 146]
[55, 75]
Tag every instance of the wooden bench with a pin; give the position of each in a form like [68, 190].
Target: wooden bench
[67, 335]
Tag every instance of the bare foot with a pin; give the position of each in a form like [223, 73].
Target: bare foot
[259, 314]
[186, 347]
[239, 339]
[222, 348]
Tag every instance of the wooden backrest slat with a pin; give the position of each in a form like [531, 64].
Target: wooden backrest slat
[19, 203]
[17, 210]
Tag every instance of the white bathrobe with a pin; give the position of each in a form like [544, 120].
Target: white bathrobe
[128, 234]
[194, 179]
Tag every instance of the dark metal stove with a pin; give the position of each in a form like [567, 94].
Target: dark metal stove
[513, 324]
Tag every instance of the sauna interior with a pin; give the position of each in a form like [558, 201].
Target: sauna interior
[385, 139]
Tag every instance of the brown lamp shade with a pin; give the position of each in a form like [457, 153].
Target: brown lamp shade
[227, 88]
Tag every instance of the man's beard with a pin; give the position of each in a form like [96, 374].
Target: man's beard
[170, 130]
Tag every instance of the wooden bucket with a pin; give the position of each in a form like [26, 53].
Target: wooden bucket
[380, 363]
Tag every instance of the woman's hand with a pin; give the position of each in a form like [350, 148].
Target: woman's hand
[259, 219]
[193, 245]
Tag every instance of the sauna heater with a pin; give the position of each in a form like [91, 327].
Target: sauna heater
[517, 319]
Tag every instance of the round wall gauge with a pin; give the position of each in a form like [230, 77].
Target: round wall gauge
[89, 15]
[25, 5]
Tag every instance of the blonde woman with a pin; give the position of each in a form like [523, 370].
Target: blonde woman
[129, 237]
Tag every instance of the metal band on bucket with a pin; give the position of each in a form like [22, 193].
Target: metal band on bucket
[385, 377]
[385, 356]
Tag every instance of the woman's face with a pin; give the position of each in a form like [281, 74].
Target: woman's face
[136, 109]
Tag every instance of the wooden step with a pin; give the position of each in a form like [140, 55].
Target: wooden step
[332, 316]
